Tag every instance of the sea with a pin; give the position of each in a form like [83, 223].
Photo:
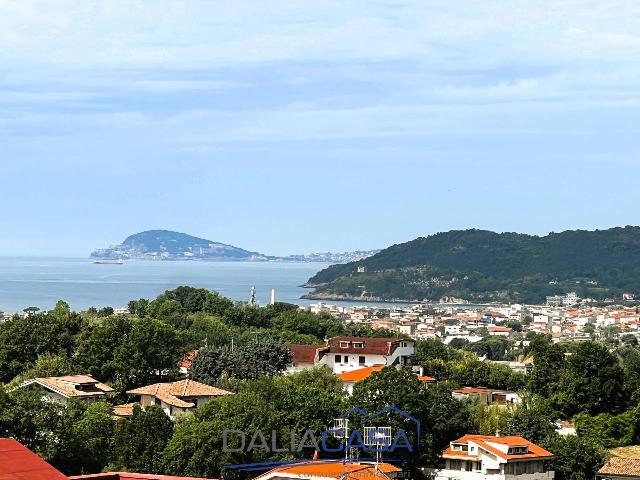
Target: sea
[42, 281]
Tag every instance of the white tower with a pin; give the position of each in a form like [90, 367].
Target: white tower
[273, 297]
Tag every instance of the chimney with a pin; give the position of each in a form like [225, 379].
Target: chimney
[498, 431]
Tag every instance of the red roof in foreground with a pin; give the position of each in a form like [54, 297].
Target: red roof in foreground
[17, 462]
[130, 476]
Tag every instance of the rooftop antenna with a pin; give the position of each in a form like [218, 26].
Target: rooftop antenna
[379, 438]
[341, 430]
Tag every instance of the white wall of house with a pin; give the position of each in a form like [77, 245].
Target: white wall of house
[350, 361]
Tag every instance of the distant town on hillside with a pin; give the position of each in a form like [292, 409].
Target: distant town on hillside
[171, 245]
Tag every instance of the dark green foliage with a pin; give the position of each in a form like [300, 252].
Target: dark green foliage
[593, 382]
[609, 431]
[174, 306]
[548, 364]
[139, 441]
[306, 400]
[576, 458]
[128, 352]
[75, 438]
[493, 348]
[481, 265]
[463, 369]
[22, 340]
[250, 360]
[533, 419]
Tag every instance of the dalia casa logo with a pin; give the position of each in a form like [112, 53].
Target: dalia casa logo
[390, 431]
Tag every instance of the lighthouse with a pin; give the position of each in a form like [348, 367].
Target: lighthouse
[273, 297]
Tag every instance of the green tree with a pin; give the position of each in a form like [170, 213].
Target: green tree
[533, 419]
[127, 351]
[139, 441]
[22, 340]
[548, 364]
[286, 404]
[575, 458]
[255, 358]
[593, 382]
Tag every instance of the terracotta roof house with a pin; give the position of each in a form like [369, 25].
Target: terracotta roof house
[302, 356]
[620, 468]
[623, 464]
[482, 457]
[61, 389]
[319, 470]
[17, 462]
[343, 354]
[181, 396]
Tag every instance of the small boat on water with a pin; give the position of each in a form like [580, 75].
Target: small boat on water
[109, 261]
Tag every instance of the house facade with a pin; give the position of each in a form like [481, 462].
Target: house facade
[174, 397]
[344, 354]
[481, 457]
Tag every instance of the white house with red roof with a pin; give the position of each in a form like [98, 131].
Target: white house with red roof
[482, 457]
[302, 356]
[344, 354]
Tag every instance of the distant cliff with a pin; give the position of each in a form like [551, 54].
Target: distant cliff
[169, 245]
[479, 266]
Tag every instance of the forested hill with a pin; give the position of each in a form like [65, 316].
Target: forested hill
[480, 265]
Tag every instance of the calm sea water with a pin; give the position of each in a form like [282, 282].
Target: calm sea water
[43, 281]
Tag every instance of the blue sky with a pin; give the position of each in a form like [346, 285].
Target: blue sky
[299, 126]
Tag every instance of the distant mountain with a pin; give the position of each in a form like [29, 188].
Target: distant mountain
[169, 245]
[479, 265]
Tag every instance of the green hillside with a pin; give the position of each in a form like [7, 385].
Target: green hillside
[480, 265]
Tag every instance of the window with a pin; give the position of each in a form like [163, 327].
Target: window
[358, 344]
[361, 360]
[338, 359]
[344, 344]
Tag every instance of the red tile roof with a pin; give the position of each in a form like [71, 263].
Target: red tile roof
[372, 346]
[484, 441]
[17, 462]
[628, 467]
[337, 470]
[66, 385]
[303, 353]
[172, 393]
